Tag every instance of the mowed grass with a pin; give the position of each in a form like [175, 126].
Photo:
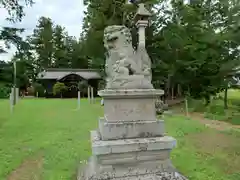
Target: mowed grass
[51, 131]
[204, 153]
[46, 140]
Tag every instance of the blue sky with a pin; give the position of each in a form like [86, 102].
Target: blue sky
[66, 13]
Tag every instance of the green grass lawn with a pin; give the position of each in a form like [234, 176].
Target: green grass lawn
[46, 139]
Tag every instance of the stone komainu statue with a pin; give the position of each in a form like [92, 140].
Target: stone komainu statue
[125, 68]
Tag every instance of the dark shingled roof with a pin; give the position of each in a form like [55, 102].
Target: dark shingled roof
[59, 73]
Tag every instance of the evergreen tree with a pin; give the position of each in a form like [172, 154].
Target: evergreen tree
[42, 43]
[60, 49]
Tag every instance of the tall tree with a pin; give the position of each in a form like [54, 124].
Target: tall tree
[42, 42]
[101, 14]
[189, 50]
[15, 10]
[193, 46]
[60, 59]
[77, 53]
[5, 72]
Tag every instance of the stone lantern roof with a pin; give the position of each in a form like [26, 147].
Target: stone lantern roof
[142, 13]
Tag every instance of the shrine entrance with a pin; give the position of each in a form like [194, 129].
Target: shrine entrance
[71, 81]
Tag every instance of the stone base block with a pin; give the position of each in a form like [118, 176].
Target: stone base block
[148, 170]
[100, 147]
[130, 105]
[133, 157]
[125, 130]
[130, 159]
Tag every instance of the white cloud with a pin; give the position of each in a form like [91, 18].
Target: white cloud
[66, 13]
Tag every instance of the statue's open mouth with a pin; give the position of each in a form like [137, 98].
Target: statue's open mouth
[111, 39]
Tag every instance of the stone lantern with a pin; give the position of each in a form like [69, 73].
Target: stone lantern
[142, 20]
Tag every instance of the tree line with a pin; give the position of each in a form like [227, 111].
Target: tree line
[194, 46]
[49, 46]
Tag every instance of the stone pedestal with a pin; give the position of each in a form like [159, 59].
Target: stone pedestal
[130, 143]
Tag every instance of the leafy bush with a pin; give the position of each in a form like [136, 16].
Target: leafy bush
[196, 105]
[59, 88]
[30, 91]
[4, 91]
[83, 86]
[215, 110]
[38, 88]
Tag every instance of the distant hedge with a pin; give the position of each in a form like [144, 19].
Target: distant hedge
[4, 91]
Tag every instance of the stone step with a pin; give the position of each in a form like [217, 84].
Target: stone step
[100, 147]
[147, 170]
[125, 130]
